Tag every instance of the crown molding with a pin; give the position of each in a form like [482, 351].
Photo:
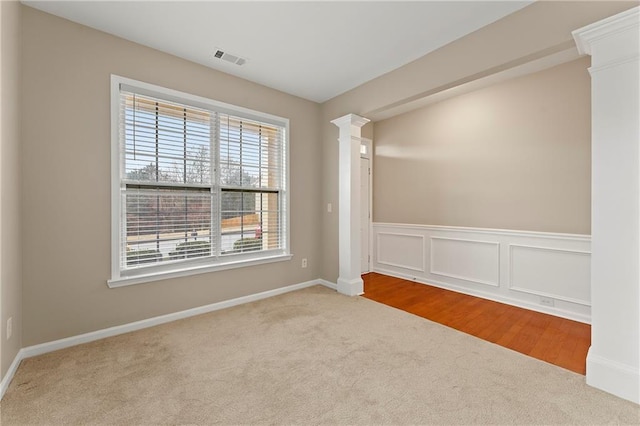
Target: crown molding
[586, 36]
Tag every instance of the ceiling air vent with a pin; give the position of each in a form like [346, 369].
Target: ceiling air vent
[225, 56]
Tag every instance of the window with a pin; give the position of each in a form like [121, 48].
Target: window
[197, 185]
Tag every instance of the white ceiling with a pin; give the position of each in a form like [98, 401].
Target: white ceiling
[315, 50]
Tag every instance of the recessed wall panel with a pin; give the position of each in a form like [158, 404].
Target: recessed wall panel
[469, 260]
[401, 250]
[557, 273]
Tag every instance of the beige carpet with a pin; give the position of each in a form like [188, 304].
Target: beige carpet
[307, 357]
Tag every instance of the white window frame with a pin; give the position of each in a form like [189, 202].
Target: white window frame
[195, 266]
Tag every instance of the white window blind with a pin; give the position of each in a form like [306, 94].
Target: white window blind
[196, 185]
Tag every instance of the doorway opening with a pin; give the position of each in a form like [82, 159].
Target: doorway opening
[365, 204]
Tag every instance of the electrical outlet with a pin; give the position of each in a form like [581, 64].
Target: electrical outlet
[546, 301]
[9, 327]
[304, 262]
[329, 208]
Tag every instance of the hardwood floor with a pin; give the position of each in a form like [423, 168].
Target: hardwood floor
[555, 340]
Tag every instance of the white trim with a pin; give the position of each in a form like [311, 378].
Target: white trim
[193, 270]
[396, 264]
[369, 156]
[115, 176]
[328, 284]
[351, 120]
[586, 36]
[367, 223]
[285, 209]
[490, 296]
[541, 248]
[460, 277]
[614, 64]
[613, 377]
[353, 287]
[8, 377]
[510, 232]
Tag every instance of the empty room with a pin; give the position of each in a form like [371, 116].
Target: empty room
[320, 212]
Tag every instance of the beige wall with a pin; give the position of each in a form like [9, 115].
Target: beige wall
[533, 32]
[66, 181]
[515, 155]
[10, 238]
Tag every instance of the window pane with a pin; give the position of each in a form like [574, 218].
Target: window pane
[166, 225]
[250, 221]
[165, 142]
[250, 154]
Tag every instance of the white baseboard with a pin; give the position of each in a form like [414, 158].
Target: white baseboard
[6, 380]
[67, 342]
[613, 377]
[489, 296]
[350, 287]
[328, 284]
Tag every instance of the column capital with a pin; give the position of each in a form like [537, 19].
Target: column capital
[611, 41]
[351, 120]
[586, 36]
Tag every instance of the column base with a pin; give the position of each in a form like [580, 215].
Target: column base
[354, 287]
[611, 376]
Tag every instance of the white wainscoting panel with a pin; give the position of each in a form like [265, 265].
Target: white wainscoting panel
[469, 260]
[546, 272]
[550, 272]
[404, 251]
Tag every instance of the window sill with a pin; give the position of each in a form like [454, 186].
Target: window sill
[187, 271]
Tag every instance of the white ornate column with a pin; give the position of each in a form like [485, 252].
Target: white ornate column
[613, 362]
[349, 279]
